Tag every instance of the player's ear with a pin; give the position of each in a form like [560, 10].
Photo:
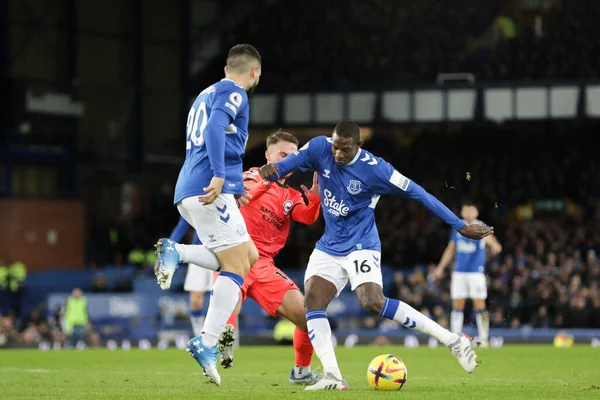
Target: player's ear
[225, 69]
[267, 155]
[359, 143]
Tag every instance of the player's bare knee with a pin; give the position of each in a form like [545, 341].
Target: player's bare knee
[458, 304]
[478, 304]
[371, 298]
[372, 304]
[319, 292]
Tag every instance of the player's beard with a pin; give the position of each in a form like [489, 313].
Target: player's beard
[251, 89]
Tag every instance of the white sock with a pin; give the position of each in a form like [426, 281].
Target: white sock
[483, 324]
[299, 371]
[456, 321]
[197, 320]
[224, 299]
[413, 319]
[198, 255]
[319, 332]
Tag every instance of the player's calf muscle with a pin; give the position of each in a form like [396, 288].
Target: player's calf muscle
[292, 308]
[458, 304]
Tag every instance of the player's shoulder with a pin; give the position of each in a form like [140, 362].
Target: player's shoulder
[236, 94]
[367, 162]
[319, 140]
[252, 174]
[318, 143]
[229, 86]
[372, 159]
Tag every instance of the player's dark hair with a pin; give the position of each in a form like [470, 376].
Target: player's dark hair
[348, 129]
[239, 56]
[280, 136]
[469, 203]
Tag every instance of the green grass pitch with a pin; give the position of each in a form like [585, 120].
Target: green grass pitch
[511, 372]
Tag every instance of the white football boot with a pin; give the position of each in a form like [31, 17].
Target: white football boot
[329, 382]
[167, 262]
[462, 349]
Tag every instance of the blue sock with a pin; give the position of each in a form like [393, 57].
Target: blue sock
[390, 306]
[234, 277]
[410, 318]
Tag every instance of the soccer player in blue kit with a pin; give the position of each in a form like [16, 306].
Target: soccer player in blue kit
[351, 181]
[205, 195]
[468, 278]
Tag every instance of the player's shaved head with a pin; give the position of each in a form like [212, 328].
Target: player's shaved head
[242, 57]
[348, 129]
[244, 66]
[469, 203]
[345, 141]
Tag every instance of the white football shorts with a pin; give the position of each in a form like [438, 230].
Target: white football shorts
[468, 285]
[220, 225]
[358, 267]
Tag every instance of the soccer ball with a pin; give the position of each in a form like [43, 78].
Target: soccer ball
[387, 372]
[563, 340]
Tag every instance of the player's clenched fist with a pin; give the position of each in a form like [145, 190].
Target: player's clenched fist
[268, 170]
[476, 231]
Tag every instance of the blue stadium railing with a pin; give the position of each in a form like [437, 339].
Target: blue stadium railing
[148, 311]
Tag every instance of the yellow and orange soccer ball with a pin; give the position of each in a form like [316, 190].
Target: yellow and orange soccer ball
[387, 372]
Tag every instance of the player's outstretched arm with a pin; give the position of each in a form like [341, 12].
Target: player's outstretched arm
[305, 159]
[390, 181]
[473, 231]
